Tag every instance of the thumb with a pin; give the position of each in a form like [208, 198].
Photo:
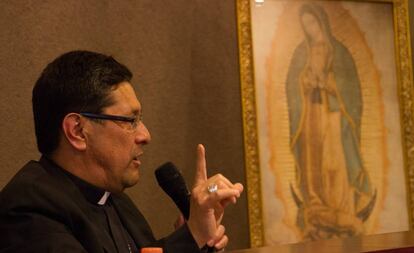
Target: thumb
[201, 170]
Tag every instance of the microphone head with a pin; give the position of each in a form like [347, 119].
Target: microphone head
[166, 173]
[172, 182]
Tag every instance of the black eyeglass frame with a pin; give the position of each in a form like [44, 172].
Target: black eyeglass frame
[108, 117]
[133, 120]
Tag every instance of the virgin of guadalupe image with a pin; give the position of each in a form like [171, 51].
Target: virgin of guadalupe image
[332, 192]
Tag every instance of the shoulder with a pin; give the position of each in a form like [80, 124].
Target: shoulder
[37, 187]
[26, 180]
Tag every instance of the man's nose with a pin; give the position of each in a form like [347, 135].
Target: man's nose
[142, 135]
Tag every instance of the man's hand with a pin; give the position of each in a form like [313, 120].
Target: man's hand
[207, 208]
[220, 240]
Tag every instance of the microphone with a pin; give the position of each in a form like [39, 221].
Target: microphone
[172, 182]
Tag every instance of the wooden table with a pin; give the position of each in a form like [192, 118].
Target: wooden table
[401, 242]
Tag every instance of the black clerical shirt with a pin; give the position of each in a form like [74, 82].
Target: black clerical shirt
[106, 215]
[42, 210]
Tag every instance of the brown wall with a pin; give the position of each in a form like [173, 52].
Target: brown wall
[184, 57]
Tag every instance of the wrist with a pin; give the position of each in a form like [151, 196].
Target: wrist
[197, 236]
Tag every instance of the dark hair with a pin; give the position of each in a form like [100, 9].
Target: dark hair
[77, 81]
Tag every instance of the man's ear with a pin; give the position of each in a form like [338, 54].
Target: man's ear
[72, 127]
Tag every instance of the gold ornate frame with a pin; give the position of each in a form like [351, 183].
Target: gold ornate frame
[251, 147]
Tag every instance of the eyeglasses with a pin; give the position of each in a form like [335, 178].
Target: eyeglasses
[133, 121]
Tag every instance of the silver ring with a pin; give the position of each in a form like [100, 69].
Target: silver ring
[212, 188]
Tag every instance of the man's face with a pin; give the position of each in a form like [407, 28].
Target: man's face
[113, 146]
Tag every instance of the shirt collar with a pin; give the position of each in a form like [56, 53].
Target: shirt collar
[92, 193]
[104, 198]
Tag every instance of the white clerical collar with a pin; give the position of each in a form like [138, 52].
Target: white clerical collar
[104, 198]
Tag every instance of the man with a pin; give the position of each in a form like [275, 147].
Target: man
[89, 131]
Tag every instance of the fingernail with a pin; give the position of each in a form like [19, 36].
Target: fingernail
[210, 243]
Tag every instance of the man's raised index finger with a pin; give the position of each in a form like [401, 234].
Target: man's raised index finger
[201, 172]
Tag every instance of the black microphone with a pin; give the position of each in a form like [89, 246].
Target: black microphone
[172, 182]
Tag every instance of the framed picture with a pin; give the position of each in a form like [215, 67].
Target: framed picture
[327, 99]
